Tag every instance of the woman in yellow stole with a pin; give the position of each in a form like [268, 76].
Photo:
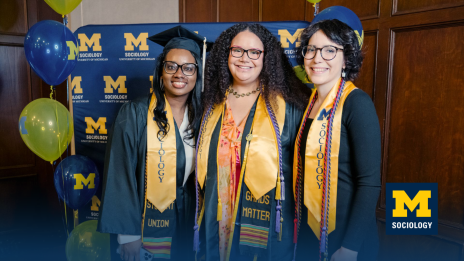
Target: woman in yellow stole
[253, 103]
[337, 151]
[148, 192]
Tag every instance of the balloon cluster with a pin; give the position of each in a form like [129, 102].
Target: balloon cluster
[46, 127]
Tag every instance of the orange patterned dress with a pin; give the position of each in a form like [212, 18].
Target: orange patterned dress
[229, 173]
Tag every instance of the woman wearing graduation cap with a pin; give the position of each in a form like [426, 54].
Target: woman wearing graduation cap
[337, 151]
[148, 192]
[254, 103]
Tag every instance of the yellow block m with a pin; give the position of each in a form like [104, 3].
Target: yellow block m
[94, 40]
[73, 51]
[421, 199]
[119, 84]
[76, 84]
[286, 37]
[131, 41]
[81, 181]
[99, 125]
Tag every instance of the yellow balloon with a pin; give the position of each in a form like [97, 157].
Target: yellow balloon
[86, 244]
[63, 7]
[46, 126]
[311, 1]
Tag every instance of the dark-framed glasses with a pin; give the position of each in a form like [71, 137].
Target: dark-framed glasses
[238, 52]
[328, 52]
[188, 69]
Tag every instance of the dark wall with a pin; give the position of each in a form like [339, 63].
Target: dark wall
[413, 71]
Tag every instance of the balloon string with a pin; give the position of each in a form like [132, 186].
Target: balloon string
[62, 177]
[52, 91]
[316, 8]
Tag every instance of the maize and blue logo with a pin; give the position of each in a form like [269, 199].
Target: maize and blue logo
[412, 208]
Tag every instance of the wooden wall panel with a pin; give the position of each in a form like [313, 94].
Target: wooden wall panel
[195, 11]
[14, 95]
[426, 114]
[408, 6]
[13, 17]
[366, 78]
[277, 10]
[239, 11]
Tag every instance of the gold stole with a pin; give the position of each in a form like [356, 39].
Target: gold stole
[262, 166]
[161, 160]
[314, 159]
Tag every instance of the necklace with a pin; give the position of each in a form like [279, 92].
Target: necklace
[238, 95]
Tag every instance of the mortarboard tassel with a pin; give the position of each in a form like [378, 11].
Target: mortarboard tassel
[203, 66]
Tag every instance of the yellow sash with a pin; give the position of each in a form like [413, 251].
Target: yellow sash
[161, 160]
[314, 159]
[263, 158]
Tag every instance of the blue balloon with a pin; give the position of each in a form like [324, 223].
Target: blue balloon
[76, 180]
[51, 50]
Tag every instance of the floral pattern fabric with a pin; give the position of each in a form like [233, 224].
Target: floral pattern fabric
[229, 173]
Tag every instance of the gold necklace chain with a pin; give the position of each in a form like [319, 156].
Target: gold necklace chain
[238, 95]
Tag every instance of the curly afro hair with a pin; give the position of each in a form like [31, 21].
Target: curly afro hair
[341, 34]
[277, 74]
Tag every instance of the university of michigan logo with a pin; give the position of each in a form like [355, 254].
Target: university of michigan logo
[286, 38]
[93, 43]
[412, 208]
[82, 181]
[99, 125]
[140, 42]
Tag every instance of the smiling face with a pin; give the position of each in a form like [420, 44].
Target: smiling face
[244, 70]
[324, 74]
[178, 84]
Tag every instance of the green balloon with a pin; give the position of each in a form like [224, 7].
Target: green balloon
[86, 244]
[46, 126]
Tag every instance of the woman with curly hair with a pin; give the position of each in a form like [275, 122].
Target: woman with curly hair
[148, 191]
[253, 102]
[337, 163]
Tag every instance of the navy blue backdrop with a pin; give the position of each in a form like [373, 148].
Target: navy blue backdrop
[116, 63]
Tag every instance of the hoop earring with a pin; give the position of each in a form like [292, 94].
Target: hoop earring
[343, 73]
[161, 85]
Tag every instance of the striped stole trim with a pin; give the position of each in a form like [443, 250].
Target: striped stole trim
[254, 236]
[159, 247]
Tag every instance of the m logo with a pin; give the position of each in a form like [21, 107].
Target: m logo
[131, 41]
[89, 182]
[73, 51]
[286, 37]
[324, 114]
[421, 199]
[95, 204]
[86, 42]
[99, 125]
[411, 209]
[119, 84]
[76, 84]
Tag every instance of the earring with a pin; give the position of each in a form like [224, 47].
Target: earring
[343, 73]
[161, 85]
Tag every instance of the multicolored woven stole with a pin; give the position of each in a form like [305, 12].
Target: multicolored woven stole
[321, 164]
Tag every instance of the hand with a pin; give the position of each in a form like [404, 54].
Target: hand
[344, 254]
[130, 251]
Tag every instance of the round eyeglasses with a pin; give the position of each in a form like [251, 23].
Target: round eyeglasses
[188, 69]
[238, 52]
[328, 52]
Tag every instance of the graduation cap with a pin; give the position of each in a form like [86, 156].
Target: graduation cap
[344, 15]
[181, 38]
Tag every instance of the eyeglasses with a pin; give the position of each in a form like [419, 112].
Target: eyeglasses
[328, 52]
[238, 52]
[188, 69]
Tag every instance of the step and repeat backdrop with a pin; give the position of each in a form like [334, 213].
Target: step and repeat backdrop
[115, 65]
